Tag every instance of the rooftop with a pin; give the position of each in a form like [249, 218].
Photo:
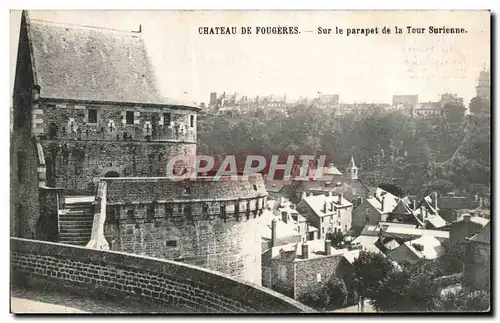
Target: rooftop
[317, 203]
[82, 63]
[426, 247]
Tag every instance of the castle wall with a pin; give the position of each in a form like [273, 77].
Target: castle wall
[84, 142]
[208, 223]
[24, 208]
[141, 280]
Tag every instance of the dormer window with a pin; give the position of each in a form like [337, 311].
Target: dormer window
[187, 191]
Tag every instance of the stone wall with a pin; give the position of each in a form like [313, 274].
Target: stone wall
[24, 211]
[306, 272]
[208, 223]
[139, 279]
[79, 150]
[78, 165]
[283, 277]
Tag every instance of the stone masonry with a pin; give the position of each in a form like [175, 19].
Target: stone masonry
[140, 279]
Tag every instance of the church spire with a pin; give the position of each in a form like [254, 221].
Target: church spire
[352, 170]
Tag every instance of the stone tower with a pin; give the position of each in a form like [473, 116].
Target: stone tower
[352, 170]
[483, 85]
[92, 137]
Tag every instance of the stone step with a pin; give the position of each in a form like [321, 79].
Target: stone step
[77, 219]
[74, 235]
[66, 229]
[73, 227]
[75, 243]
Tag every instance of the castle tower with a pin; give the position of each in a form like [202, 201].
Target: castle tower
[352, 170]
[85, 129]
[483, 84]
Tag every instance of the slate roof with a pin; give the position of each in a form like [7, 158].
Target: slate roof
[482, 236]
[93, 64]
[473, 219]
[432, 247]
[316, 203]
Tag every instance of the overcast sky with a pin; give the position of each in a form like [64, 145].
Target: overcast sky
[358, 68]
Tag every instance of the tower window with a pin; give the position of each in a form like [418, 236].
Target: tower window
[191, 121]
[151, 213]
[92, 116]
[130, 117]
[166, 119]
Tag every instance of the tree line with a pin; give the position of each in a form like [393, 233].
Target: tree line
[447, 153]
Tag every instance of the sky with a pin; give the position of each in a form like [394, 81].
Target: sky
[359, 68]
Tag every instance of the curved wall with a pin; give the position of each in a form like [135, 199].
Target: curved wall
[140, 279]
[206, 222]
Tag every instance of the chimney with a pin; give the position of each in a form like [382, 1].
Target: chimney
[304, 194]
[340, 198]
[325, 207]
[274, 225]
[331, 206]
[466, 217]
[328, 247]
[382, 204]
[422, 212]
[435, 199]
[481, 203]
[380, 232]
[414, 204]
[305, 251]
[284, 216]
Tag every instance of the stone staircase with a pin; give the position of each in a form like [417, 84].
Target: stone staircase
[75, 220]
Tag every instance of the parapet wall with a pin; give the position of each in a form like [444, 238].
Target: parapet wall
[206, 222]
[140, 279]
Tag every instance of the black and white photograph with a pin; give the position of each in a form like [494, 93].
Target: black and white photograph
[250, 162]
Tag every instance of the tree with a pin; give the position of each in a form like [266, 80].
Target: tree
[442, 186]
[452, 261]
[337, 238]
[465, 301]
[394, 189]
[454, 112]
[337, 292]
[315, 297]
[370, 269]
[407, 290]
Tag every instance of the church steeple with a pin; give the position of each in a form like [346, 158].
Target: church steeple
[352, 170]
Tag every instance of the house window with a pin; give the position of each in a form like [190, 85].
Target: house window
[166, 119]
[130, 117]
[191, 121]
[282, 273]
[130, 216]
[171, 243]
[318, 278]
[187, 191]
[254, 187]
[323, 230]
[92, 116]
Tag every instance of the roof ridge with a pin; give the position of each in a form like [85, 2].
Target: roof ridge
[78, 26]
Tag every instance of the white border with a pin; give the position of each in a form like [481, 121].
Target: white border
[185, 4]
